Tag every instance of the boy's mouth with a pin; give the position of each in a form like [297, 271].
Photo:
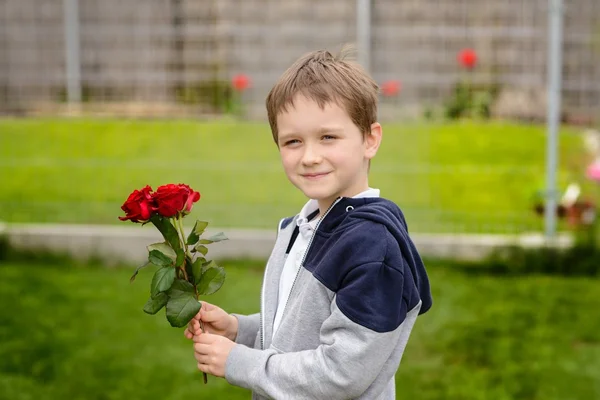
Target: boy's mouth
[314, 176]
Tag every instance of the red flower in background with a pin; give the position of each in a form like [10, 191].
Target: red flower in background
[240, 82]
[172, 199]
[391, 88]
[139, 206]
[467, 58]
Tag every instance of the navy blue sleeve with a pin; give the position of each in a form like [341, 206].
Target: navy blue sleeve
[366, 269]
[371, 296]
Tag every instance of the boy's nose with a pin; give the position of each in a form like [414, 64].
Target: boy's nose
[311, 156]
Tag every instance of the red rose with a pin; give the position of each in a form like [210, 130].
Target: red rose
[139, 206]
[173, 199]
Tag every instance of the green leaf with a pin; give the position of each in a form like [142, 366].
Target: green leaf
[202, 249]
[159, 259]
[164, 248]
[182, 304]
[218, 237]
[153, 305]
[192, 239]
[200, 227]
[197, 268]
[138, 270]
[189, 270]
[196, 232]
[167, 229]
[212, 279]
[180, 257]
[162, 280]
[180, 285]
[214, 238]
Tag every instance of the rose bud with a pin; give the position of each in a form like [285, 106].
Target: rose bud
[139, 206]
[172, 199]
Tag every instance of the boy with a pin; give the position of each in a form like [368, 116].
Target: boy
[344, 283]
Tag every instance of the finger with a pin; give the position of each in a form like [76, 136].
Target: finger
[197, 328]
[201, 358]
[190, 335]
[191, 329]
[194, 325]
[204, 368]
[201, 349]
[198, 314]
[206, 315]
[211, 316]
[205, 338]
[198, 339]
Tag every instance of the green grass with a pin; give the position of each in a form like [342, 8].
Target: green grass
[463, 176]
[69, 332]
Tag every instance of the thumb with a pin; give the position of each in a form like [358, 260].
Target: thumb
[209, 315]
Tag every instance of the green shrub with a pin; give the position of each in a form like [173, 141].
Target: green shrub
[578, 260]
[90, 94]
[468, 100]
[4, 248]
[215, 94]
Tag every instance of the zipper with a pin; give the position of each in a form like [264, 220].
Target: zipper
[262, 308]
[262, 297]
[306, 252]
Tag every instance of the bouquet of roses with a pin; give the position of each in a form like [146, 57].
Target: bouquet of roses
[184, 273]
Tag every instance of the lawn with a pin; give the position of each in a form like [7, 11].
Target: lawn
[463, 176]
[72, 332]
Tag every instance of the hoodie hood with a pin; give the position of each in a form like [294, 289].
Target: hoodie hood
[350, 211]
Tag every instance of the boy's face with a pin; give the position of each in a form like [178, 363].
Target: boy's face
[323, 151]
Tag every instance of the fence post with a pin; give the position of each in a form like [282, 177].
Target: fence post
[363, 33]
[555, 21]
[73, 62]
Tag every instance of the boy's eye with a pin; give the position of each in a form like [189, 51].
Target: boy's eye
[293, 141]
[328, 137]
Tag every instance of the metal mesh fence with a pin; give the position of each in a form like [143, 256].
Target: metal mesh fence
[182, 54]
[177, 58]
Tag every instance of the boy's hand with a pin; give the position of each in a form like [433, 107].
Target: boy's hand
[216, 321]
[211, 352]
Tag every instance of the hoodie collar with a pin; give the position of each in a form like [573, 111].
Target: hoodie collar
[306, 220]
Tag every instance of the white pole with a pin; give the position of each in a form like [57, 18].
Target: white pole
[555, 26]
[363, 33]
[73, 66]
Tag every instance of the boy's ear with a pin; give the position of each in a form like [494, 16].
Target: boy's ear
[373, 140]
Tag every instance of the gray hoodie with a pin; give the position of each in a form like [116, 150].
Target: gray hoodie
[349, 315]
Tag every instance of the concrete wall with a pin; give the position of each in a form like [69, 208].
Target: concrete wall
[128, 244]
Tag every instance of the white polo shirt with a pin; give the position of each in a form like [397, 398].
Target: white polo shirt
[294, 258]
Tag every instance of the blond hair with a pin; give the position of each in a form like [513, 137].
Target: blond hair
[324, 78]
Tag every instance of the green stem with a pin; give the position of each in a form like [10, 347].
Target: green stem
[179, 226]
[184, 241]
